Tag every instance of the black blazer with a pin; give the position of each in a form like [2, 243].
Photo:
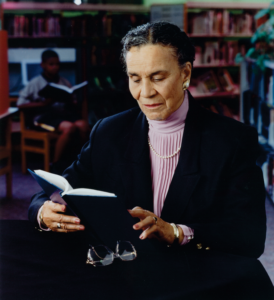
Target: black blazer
[217, 188]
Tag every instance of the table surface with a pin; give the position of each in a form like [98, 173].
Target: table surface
[43, 265]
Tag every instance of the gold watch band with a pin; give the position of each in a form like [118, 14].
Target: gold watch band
[176, 232]
[41, 218]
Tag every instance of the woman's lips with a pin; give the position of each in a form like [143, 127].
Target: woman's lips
[152, 105]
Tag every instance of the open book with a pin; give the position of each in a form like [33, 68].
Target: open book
[54, 90]
[104, 215]
[63, 185]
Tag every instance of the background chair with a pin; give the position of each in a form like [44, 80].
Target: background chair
[34, 141]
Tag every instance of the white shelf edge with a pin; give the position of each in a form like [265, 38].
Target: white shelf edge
[226, 5]
[73, 7]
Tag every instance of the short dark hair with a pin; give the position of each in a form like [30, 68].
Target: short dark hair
[48, 54]
[162, 33]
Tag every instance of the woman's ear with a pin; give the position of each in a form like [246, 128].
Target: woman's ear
[186, 72]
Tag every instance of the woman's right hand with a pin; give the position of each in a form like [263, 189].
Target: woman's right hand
[53, 214]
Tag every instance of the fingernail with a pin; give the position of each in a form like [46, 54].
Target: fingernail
[63, 208]
[136, 226]
[82, 227]
[76, 220]
[128, 209]
[141, 237]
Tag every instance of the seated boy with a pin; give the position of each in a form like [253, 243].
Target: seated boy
[58, 113]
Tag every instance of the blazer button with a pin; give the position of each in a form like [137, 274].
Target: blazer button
[199, 246]
[207, 248]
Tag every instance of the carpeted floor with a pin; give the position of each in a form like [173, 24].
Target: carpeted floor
[24, 187]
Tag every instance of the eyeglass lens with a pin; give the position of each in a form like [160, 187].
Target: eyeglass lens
[100, 256]
[126, 251]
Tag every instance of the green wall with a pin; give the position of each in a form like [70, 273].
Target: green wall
[149, 2]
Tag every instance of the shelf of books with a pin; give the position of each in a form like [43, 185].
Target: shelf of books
[257, 110]
[44, 20]
[219, 31]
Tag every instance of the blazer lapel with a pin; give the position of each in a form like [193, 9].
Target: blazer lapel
[136, 167]
[186, 175]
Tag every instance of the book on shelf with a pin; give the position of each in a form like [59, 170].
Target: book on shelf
[211, 54]
[58, 91]
[232, 50]
[207, 83]
[102, 213]
[226, 80]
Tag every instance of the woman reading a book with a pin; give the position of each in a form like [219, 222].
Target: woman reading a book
[53, 113]
[187, 174]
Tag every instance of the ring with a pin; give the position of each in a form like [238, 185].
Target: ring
[58, 225]
[155, 219]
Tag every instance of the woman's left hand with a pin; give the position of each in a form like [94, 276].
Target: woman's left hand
[160, 230]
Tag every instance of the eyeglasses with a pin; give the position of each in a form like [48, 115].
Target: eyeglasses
[100, 256]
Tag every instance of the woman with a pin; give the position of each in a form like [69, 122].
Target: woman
[189, 175]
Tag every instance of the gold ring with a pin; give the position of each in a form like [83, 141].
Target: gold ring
[58, 225]
[155, 219]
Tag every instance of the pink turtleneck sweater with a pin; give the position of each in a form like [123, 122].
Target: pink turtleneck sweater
[165, 138]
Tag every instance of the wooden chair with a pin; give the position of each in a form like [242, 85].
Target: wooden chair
[5, 153]
[35, 136]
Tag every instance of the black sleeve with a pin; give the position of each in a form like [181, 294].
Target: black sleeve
[240, 226]
[79, 175]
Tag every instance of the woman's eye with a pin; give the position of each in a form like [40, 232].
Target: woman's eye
[138, 80]
[158, 79]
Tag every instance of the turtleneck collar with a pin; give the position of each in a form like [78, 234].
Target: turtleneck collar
[175, 122]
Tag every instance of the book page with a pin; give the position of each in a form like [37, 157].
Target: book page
[88, 192]
[61, 87]
[57, 180]
[78, 86]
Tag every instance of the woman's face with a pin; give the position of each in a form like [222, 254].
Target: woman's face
[156, 80]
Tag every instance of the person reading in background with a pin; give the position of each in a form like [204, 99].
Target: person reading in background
[56, 113]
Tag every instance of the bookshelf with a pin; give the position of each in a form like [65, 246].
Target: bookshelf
[220, 30]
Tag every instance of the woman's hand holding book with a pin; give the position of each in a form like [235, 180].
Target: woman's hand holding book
[53, 218]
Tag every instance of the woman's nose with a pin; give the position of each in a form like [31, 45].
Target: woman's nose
[147, 90]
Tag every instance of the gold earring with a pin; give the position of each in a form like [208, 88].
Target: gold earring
[185, 85]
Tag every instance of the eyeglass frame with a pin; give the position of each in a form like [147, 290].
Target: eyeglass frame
[115, 254]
